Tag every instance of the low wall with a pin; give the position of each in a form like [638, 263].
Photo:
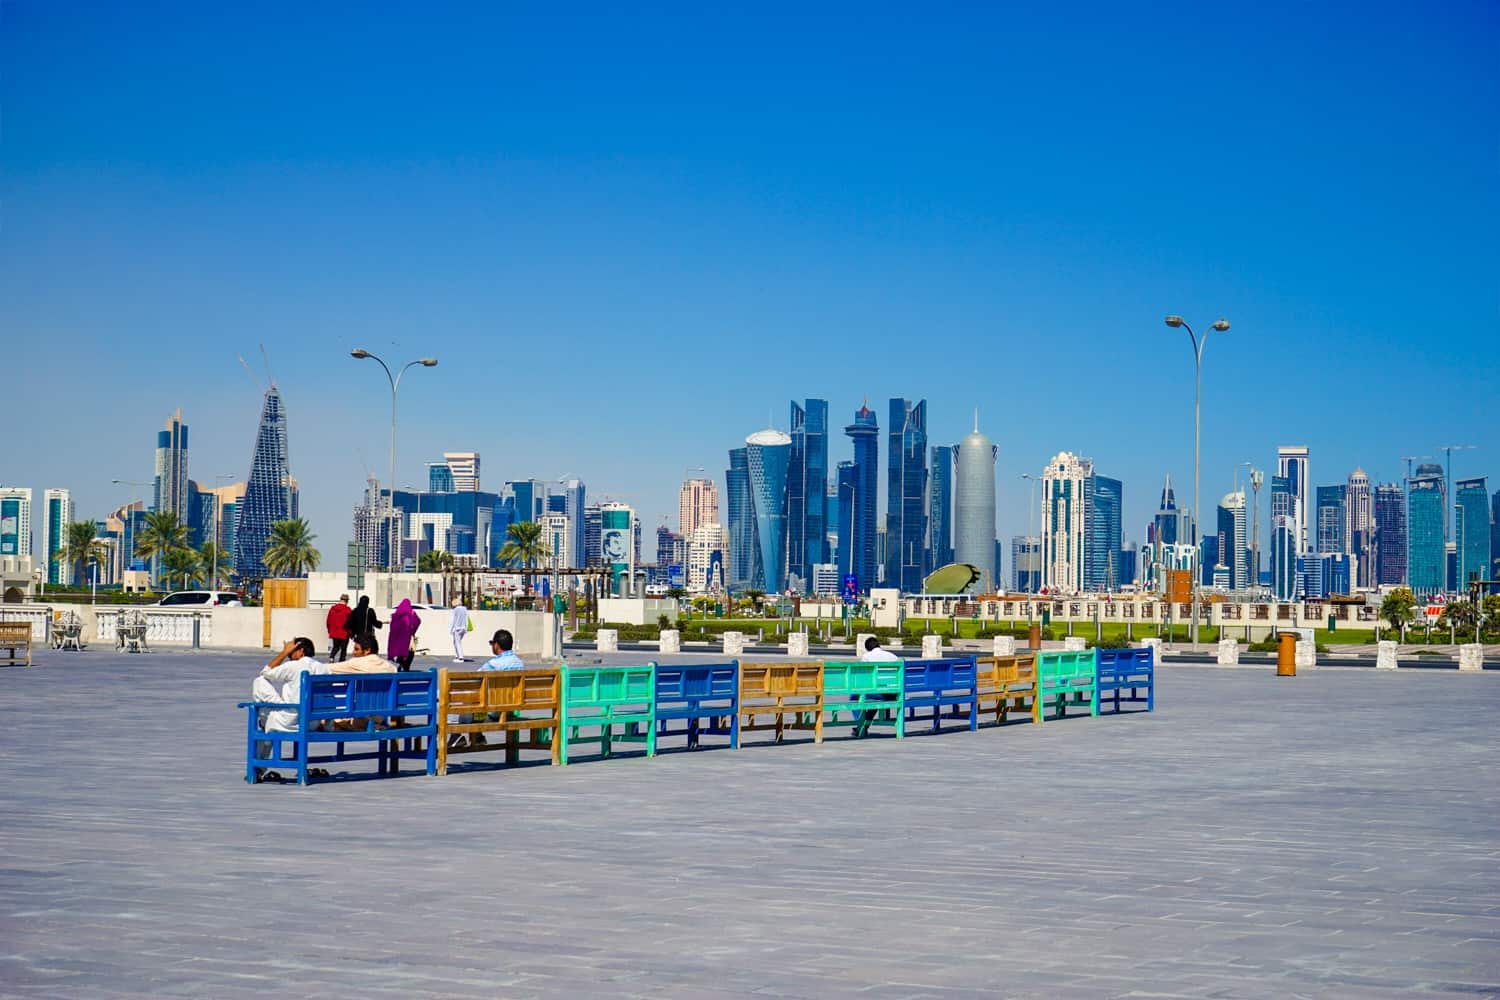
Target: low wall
[636, 610]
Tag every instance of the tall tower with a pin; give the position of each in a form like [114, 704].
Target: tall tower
[941, 537]
[974, 507]
[267, 493]
[906, 494]
[697, 505]
[744, 553]
[57, 513]
[1291, 465]
[1390, 535]
[1359, 530]
[1233, 549]
[171, 480]
[806, 488]
[865, 433]
[1472, 530]
[1425, 556]
[464, 468]
[1064, 518]
[15, 520]
[1102, 533]
[1331, 520]
[769, 454]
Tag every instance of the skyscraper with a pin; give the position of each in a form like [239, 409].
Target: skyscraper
[1292, 465]
[768, 454]
[806, 487]
[1359, 531]
[1495, 536]
[171, 480]
[940, 507]
[974, 507]
[267, 494]
[617, 541]
[1389, 538]
[439, 477]
[1102, 534]
[1332, 520]
[744, 551]
[570, 501]
[1284, 534]
[57, 512]
[557, 536]
[1472, 530]
[464, 467]
[697, 505]
[865, 434]
[906, 494]
[1424, 531]
[1234, 551]
[1025, 564]
[1167, 523]
[593, 537]
[1064, 521]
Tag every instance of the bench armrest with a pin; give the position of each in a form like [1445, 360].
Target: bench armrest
[268, 704]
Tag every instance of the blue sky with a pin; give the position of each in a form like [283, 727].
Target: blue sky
[629, 237]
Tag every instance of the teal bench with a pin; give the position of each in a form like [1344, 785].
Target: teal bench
[1060, 674]
[870, 691]
[619, 702]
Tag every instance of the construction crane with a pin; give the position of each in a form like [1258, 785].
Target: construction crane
[1408, 459]
[1449, 449]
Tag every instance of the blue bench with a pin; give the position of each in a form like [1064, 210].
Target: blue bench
[1117, 670]
[370, 700]
[937, 683]
[706, 696]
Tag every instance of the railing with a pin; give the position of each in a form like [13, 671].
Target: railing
[37, 617]
[162, 625]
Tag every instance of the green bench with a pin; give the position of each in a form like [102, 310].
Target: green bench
[869, 690]
[1060, 674]
[617, 701]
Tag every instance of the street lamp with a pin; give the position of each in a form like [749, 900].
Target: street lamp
[395, 380]
[218, 508]
[1198, 345]
[1036, 553]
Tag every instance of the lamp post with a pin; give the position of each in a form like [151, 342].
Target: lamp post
[126, 556]
[1031, 532]
[395, 380]
[1198, 345]
[1257, 479]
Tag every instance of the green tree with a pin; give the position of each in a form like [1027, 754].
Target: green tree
[1491, 606]
[676, 593]
[183, 563]
[289, 550]
[524, 546]
[1399, 608]
[80, 542]
[1460, 616]
[435, 562]
[210, 556]
[163, 534]
[756, 597]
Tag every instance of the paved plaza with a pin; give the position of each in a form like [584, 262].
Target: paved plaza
[1335, 834]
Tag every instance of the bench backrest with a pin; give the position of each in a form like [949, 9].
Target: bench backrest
[608, 686]
[15, 631]
[940, 675]
[996, 670]
[500, 690]
[850, 677]
[365, 696]
[680, 682]
[1065, 665]
[1124, 660]
[781, 680]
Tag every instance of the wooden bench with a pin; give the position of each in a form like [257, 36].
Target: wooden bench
[869, 690]
[705, 696]
[1067, 673]
[606, 698]
[370, 701]
[500, 701]
[935, 684]
[790, 693]
[1009, 684]
[1117, 670]
[14, 637]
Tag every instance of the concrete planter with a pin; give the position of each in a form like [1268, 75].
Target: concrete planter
[1075, 644]
[671, 640]
[1385, 655]
[1155, 646]
[734, 643]
[1471, 657]
[932, 647]
[608, 640]
[796, 644]
[1307, 654]
[1005, 645]
[1229, 653]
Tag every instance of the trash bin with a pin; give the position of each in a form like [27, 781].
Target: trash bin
[1034, 637]
[1286, 654]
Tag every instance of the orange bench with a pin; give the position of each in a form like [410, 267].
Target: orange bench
[1005, 684]
[790, 693]
[500, 701]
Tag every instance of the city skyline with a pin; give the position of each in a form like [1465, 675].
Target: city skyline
[920, 244]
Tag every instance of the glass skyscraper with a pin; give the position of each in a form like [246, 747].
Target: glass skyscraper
[268, 496]
[171, 480]
[806, 489]
[1234, 552]
[1472, 530]
[744, 553]
[1390, 535]
[1283, 557]
[1424, 533]
[865, 434]
[768, 454]
[940, 507]
[439, 477]
[1292, 467]
[906, 496]
[1331, 519]
[1101, 537]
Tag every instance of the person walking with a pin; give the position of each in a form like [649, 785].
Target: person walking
[458, 627]
[338, 631]
[404, 625]
[362, 620]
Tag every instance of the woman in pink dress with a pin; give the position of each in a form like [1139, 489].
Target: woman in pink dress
[404, 624]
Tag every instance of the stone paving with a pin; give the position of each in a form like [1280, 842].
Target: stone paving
[1333, 835]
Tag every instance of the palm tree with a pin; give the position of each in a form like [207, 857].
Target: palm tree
[289, 550]
[184, 562]
[210, 556]
[524, 546]
[435, 562]
[163, 534]
[80, 538]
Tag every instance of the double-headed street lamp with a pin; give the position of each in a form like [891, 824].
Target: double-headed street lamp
[1198, 345]
[395, 380]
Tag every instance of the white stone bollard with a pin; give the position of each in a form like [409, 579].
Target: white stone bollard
[1385, 655]
[1229, 653]
[671, 640]
[932, 647]
[796, 644]
[1075, 644]
[1307, 654]
[1155, 646]
[1005, 645]
[734, 643]
[1471, 657]
[608, 640]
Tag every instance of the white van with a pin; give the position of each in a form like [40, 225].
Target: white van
[197, 598]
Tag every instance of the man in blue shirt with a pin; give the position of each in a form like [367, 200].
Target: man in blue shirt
[501, 644]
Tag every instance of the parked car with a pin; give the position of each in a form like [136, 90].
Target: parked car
[198, 598]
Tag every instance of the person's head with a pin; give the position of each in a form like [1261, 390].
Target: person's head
[405, 604]
[502, 641]
[871, 643]
[364, 602]
[366, 645]
[343, 598]
[303, 647]
[458, 602]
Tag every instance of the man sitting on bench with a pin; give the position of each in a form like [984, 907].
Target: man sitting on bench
[502, 644]
[281, 681]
